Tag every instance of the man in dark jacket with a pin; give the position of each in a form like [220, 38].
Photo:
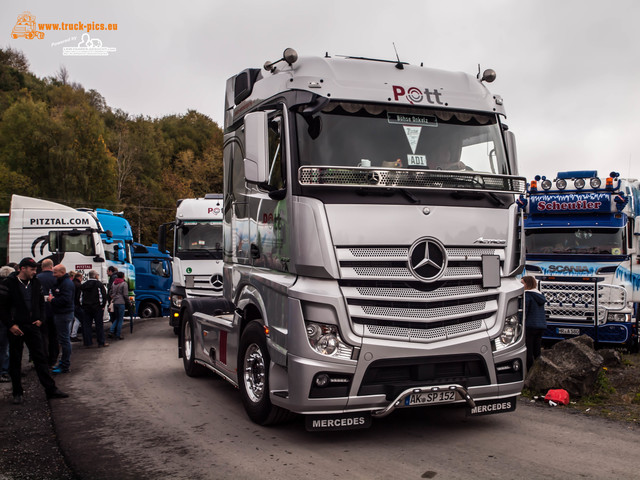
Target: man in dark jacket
[93, 298]
[534, 317]
[62, 304]
[21, 310]
[48, 328]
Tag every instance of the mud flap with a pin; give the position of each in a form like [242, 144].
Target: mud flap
[489, 407]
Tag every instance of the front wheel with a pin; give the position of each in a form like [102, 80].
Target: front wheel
[148, 310]
[253, 377]
[191, 368]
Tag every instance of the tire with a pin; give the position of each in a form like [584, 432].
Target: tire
[253, 377]
[191, 368]
[148, 310]
[176, 330]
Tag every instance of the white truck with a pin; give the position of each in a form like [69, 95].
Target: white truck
[197, 251]
[43, 229]
[371, 245]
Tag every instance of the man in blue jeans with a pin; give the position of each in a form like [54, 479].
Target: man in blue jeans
[62, 304]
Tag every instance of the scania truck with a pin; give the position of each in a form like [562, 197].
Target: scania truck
[371, 244]
[43, 229]
[197, 251]
[582, 246]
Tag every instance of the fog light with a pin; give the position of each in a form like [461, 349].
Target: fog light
[322, 380]
[516, 365]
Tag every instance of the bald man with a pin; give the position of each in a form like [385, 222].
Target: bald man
[62, 304]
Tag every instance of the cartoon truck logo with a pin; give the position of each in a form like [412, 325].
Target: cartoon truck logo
[26, 27]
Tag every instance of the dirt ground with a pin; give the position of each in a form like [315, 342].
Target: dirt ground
[29, 447]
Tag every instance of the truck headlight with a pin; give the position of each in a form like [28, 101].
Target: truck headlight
[617, 317]
[326, 340]
[176, 300]
[511, 332]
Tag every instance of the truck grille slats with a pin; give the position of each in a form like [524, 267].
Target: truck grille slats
[385, 297]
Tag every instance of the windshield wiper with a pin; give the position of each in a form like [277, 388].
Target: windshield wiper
[478, 194]
[388, 192]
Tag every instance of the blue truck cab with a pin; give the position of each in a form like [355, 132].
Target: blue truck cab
[117, 238]
[153, 280]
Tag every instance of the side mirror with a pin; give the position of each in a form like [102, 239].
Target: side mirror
[53, 242]
[109, 234]
[256, 162]
[162, 236]
[510, 141]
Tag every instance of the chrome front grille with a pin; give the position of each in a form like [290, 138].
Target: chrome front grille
[577, 302]
[203, 285]
[573, 302]
[388, 301]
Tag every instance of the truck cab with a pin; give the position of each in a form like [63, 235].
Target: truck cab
[197, 251]
[153, 280]
[582, 236]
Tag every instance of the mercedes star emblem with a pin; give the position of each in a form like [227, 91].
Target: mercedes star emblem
[427, 259]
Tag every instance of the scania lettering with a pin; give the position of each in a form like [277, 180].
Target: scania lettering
[584, 253]
[42, 229]
[197, 251]
[347, 292]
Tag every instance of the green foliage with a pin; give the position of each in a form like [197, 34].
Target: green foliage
[60, 142]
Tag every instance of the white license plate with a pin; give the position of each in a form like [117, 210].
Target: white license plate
[429, 398]
[568, 331]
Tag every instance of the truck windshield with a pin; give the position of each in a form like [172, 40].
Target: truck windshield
[199, 239]
[389, 136]
[110, 250]
[599, 241]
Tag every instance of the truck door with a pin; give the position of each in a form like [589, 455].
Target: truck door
[270, 242]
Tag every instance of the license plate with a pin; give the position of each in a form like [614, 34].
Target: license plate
[568, 331]
[429, 398]
[343, 421]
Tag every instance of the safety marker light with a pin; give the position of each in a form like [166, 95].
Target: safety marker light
[534, 186]
[609, 183]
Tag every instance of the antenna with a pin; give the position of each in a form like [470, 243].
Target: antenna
[399, 65]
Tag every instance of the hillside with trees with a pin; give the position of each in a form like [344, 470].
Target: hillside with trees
[63, 143]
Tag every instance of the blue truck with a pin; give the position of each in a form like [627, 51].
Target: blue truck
[153, 280]
[582, 243]
[117, 238]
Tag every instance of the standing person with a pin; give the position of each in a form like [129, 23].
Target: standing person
[534, 317]
[4, 331]
[48, 328]
[93, 299]
[21, 312]
[120, 298]
[62, 303]
[112, 272]
[78, 323]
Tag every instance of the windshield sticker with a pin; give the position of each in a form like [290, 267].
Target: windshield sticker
[413, 134]
[417, 160]
[412, 119]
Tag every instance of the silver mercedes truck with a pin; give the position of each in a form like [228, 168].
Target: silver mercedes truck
[371, 244]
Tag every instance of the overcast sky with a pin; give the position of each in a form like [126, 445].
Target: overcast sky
[569, 71]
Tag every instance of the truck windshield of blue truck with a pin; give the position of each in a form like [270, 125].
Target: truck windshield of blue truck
[118, 248]
[588, 241]
[369, 135]
[199, 239]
